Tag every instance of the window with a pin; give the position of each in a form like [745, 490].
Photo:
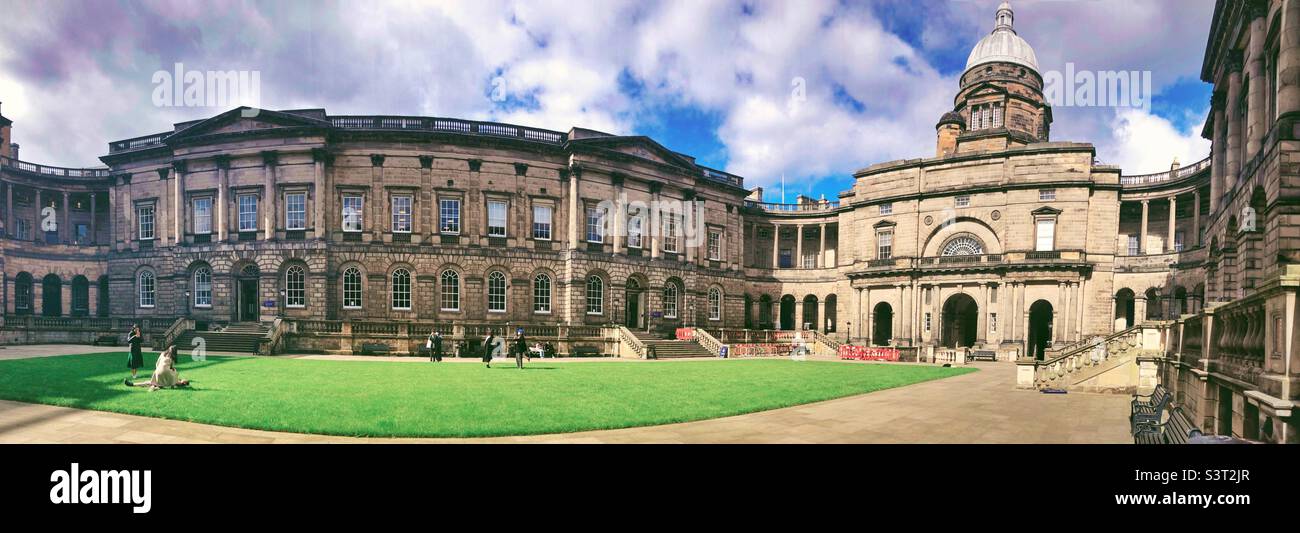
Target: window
[715, 304]
[809, 259]
[986, 116]
[401, 290]
[993, 322]
[963, 200]
[963, 245]
[23, 293]
[595, 295]
[146, 287]
[145, 214]
[450, 290]
[670, 233]
[352, 288]
[295, 287]
[927, 321]
[352, 213]
[542, 222]
[634, 231]
[203, 287]
[1178, 242]
[82, 234]
[887, 209]
[885, 245]
[247, 212]
[496, 292]
[786, 258]
[715, 246]
[496, 219]
[1046, 235]
[401, 214]
[993, 294]
[449, 216]
[670, 300]
[203, 216]
[1047, 195]
[1133, 248]
[24, 230]
[542, 294]
[997, 115]
[595, 224]
[295, 211]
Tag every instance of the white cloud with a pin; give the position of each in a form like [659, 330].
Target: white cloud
[1143, 142]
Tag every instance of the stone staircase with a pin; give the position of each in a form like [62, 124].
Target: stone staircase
[1103, 364]
[671, 348]
[241, 337]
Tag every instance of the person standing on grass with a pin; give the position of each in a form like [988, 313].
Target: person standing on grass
[521, 350]
[488, 343]
[435, 347]
[136, 359]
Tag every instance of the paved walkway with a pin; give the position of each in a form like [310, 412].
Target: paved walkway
[980, 407]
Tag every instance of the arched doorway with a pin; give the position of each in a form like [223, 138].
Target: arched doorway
[882, 324]
[829, 314]
[23, 294]
[51, 295]
[787, 312]
[1180, 302]
[102, 306]
[1040, 328]
[634, 312]
[809, 318]
[749, 312]
[765, 312]
[1123, 309]
[1155, 311]
[80, 296]
[960, 321]
[246, 279]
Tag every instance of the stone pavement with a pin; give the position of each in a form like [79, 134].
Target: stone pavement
[980, 407]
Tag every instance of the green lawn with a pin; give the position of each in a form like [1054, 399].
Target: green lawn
[392, 399]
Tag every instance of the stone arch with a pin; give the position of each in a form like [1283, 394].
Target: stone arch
[961, 225]
[882, 324]
[1041, 326]
[51, 295]
[80, 296]
[1125, 309]
[787, 318]
[808, 320]
[960, 321]
[830, 313]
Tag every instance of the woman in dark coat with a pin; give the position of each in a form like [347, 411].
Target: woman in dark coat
[136, 359]
[489, 344]
[521, 350]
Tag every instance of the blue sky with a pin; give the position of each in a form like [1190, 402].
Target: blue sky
[810, 90]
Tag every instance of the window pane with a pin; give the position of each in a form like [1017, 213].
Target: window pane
[295, 287]
[634, 231]
[248, 213]
[542, 222]
[146, 221]
[401, 294]
[542, 294]
[496, 219]
[203, 287]
[1046, 235]
[402, 214]
[496, 292]
[449, 216]
[352, 213]
[146, 289]
[450, 291]
[202, 216]
[352, 288]
[595, 296]
[595, 224]
[295, 211]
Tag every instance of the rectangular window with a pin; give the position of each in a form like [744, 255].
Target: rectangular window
[295, 211]
[145, 214]
[715, 246]
[247, 212]
[887, 209]
[885, 245]
[449, 216]
[203, 216]
[997, 115]
[963, 201]
[993, 322]
[352, 213]
[595, 224]
[1047, 195]
[786, 258]
[670, 233]
[24, 230]
[1178, 242]
[810, 259]
[83, 234]
[1133, 245]
[496, 218]
[401, 214]
[927, 321]
[1046, 241]
[542, 222]
[634, 231]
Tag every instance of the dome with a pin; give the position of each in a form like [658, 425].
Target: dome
[1003, 45]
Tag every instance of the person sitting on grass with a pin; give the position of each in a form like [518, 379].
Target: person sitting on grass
[164, 373]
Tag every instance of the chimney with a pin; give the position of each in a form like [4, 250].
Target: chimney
[5, 149]
[1174, 166]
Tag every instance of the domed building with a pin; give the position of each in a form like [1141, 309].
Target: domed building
[298, 230]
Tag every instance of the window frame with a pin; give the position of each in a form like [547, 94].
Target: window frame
[239, 211]
[885, 250]
[449, 290]
[194, 209]
[598, 299]
[505, 218]
[715, 304]
[445, 204]
[670, 304]
[152, 221]
[400, 221]
[359, 215]
[197, 285]
[393, 292]
[141, 289]
[360, 288]
[301, 290]
[504, 297]
[289, 210]
[549, 224]
[1038, 238]
[542, 301]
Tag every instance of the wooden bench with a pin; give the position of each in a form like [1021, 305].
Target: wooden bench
[1148, 408]
[983, 355]
[1176, 429]
[106, 339]
[585, 351]
[375, 348]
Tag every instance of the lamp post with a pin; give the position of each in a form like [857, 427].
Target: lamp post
[848, 326]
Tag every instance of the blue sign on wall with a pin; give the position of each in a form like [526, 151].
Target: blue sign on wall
[268, 303]
[656, 314]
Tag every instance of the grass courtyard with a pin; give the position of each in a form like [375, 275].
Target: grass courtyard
[403, 399]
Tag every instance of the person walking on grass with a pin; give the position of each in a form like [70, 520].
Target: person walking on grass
[521, 349]
[136, 359]
[489, 343]
[434, 344]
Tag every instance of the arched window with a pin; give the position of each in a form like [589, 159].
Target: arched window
[401, 290]
[352, 288]
[670, 300]
[102, 308]
[963, 245]
[595, 296]
[715, 304]
[450, 290]
[147, 291]
[542, 294]
[496, 292]
[203, 287]
[23, 294]
[80, 296]
[295, 287]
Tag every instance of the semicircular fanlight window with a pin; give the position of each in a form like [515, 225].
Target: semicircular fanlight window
[963, 245]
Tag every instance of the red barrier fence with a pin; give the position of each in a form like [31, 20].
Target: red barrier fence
[685, 334]
[868, 353]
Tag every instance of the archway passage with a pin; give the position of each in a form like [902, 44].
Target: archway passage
[809, 318]
[765, 312]
[1040, 328]
[247, 280]
[51, 295]
[634, 295]
[80, 296]
[882, 326]
[830, 314]
[960, 321]
[101, 308]
[1155, 311]
[1123, 309]
[787, 312]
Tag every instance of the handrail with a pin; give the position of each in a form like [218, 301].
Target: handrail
[625, 336]
[828, 344]
[708, 341]
[813, 206]
[1116, 344]
[274, 338]
[178, 327]
[46, 170]
[1157, 177]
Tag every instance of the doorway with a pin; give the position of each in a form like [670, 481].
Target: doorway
[960, 321]
[632, 313]
[1040, 328]
[882, 325]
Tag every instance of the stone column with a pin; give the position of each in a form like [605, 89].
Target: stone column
[656, 224]
[868, 330]
[1196, 216]
[1288, 59]
[821, 246]
[798, 246]
[742, 235]
[9, 209]
[376, 201]
[1235, 137]
[162, 210]
[1218, 148]
[1142, 239]
[1080, 308]
[94, 209]
[1139, 309]
[270, 194]
[982, 318]
[575, 215]
[776, 246]
[319, 192]
[898, 316]
[92, 293]
[1170, 245]
[619, 216]
[798, 313]
[1256, 122]
[67, 222]
[223, 186]
[178, 200]
[1059, 315]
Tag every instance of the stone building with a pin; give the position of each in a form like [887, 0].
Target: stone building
[1004, 240]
